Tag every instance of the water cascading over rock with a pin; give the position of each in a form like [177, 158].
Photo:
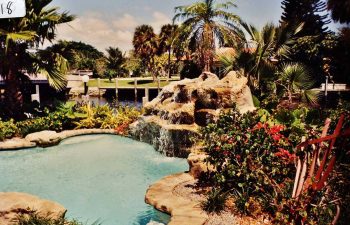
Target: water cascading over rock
[171, 121]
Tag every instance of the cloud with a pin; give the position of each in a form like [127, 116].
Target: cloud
[125, 22]
[101, 31]
[158, 20]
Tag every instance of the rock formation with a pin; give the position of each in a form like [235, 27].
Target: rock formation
[15, 204]
[172, 119]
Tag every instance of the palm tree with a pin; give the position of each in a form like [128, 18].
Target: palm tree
[209, 23]
[145, 45]
[114, 61]
[166, 40]
[264, 51]
[297, 80]
[17, 37]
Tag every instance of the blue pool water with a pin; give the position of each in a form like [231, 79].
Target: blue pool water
[98, 177]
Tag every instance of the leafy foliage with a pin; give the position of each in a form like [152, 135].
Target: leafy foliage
[215, 201]
[7, 129]
[35, 219]
[206, 23]
[252, 160]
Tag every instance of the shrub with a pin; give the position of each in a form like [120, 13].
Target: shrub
[32, 125]
[8, 129]
[35, 219]
[252, 160]
[215, 201]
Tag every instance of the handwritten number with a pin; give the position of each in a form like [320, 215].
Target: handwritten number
[8, 8]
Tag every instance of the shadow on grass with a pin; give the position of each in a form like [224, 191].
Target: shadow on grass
[141, 82]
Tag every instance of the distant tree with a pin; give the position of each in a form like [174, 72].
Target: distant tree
[167, 38]
[207, 23]
[80, 55]
[114, 62]
[308, 48]
[17, 37]
[145, 45]
[340, 10]
[307, 12]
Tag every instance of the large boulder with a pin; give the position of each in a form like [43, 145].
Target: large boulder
[13, 205]
[179, 102]
[171, 120]
[44, 138]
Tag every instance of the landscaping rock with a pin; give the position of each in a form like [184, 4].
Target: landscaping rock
[44, 138]
[183, 210]
[14, 204]
[16, 143]
[197, 164]
[172, 119]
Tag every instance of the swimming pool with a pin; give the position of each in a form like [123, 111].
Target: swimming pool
[96, 177]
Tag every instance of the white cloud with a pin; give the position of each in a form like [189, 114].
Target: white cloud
[125, 22]
[158, 20]
[102, 32]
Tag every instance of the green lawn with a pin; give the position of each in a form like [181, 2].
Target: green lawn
[129, 83]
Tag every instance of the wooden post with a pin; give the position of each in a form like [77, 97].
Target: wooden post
[116, 88]
[99, 87]
[147, 94]
[158, 85]
[135, 87]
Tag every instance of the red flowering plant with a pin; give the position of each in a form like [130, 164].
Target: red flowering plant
[254, 161]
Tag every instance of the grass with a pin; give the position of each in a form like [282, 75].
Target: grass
[129, 83]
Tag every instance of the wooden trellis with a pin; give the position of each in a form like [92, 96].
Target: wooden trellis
[314, 167]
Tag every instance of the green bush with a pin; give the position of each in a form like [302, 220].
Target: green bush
[35, 219]
[215, 201]
[8, 129]
[252, 160]
[253, 156]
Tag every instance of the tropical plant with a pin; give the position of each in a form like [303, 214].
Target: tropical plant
[215, 201]
[167, 38]
[296, 79]
[252, 160]
[206, 23]
[145, 45]
[17, 36]
[312, 13]
[114, 62]
[36, 219]
[7, 129]
[265, 50]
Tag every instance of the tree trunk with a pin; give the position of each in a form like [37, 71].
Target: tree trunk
[169, 62]
[13, 96]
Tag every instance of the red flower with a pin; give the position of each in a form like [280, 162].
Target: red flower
[276, 129]
[276, 137]
[284, 154]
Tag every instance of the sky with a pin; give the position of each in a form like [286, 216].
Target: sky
[104, 23]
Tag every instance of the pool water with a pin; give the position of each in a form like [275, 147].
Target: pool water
[96, 177]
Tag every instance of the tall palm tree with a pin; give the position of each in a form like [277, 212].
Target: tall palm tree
[145, 45]
[297, 80]
[17, 37]
[209, 23]
[166, 40]
[264, 51]
[114, 61]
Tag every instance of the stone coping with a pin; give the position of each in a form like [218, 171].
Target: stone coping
[14, 204]
[47, 138]
[183, 211]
